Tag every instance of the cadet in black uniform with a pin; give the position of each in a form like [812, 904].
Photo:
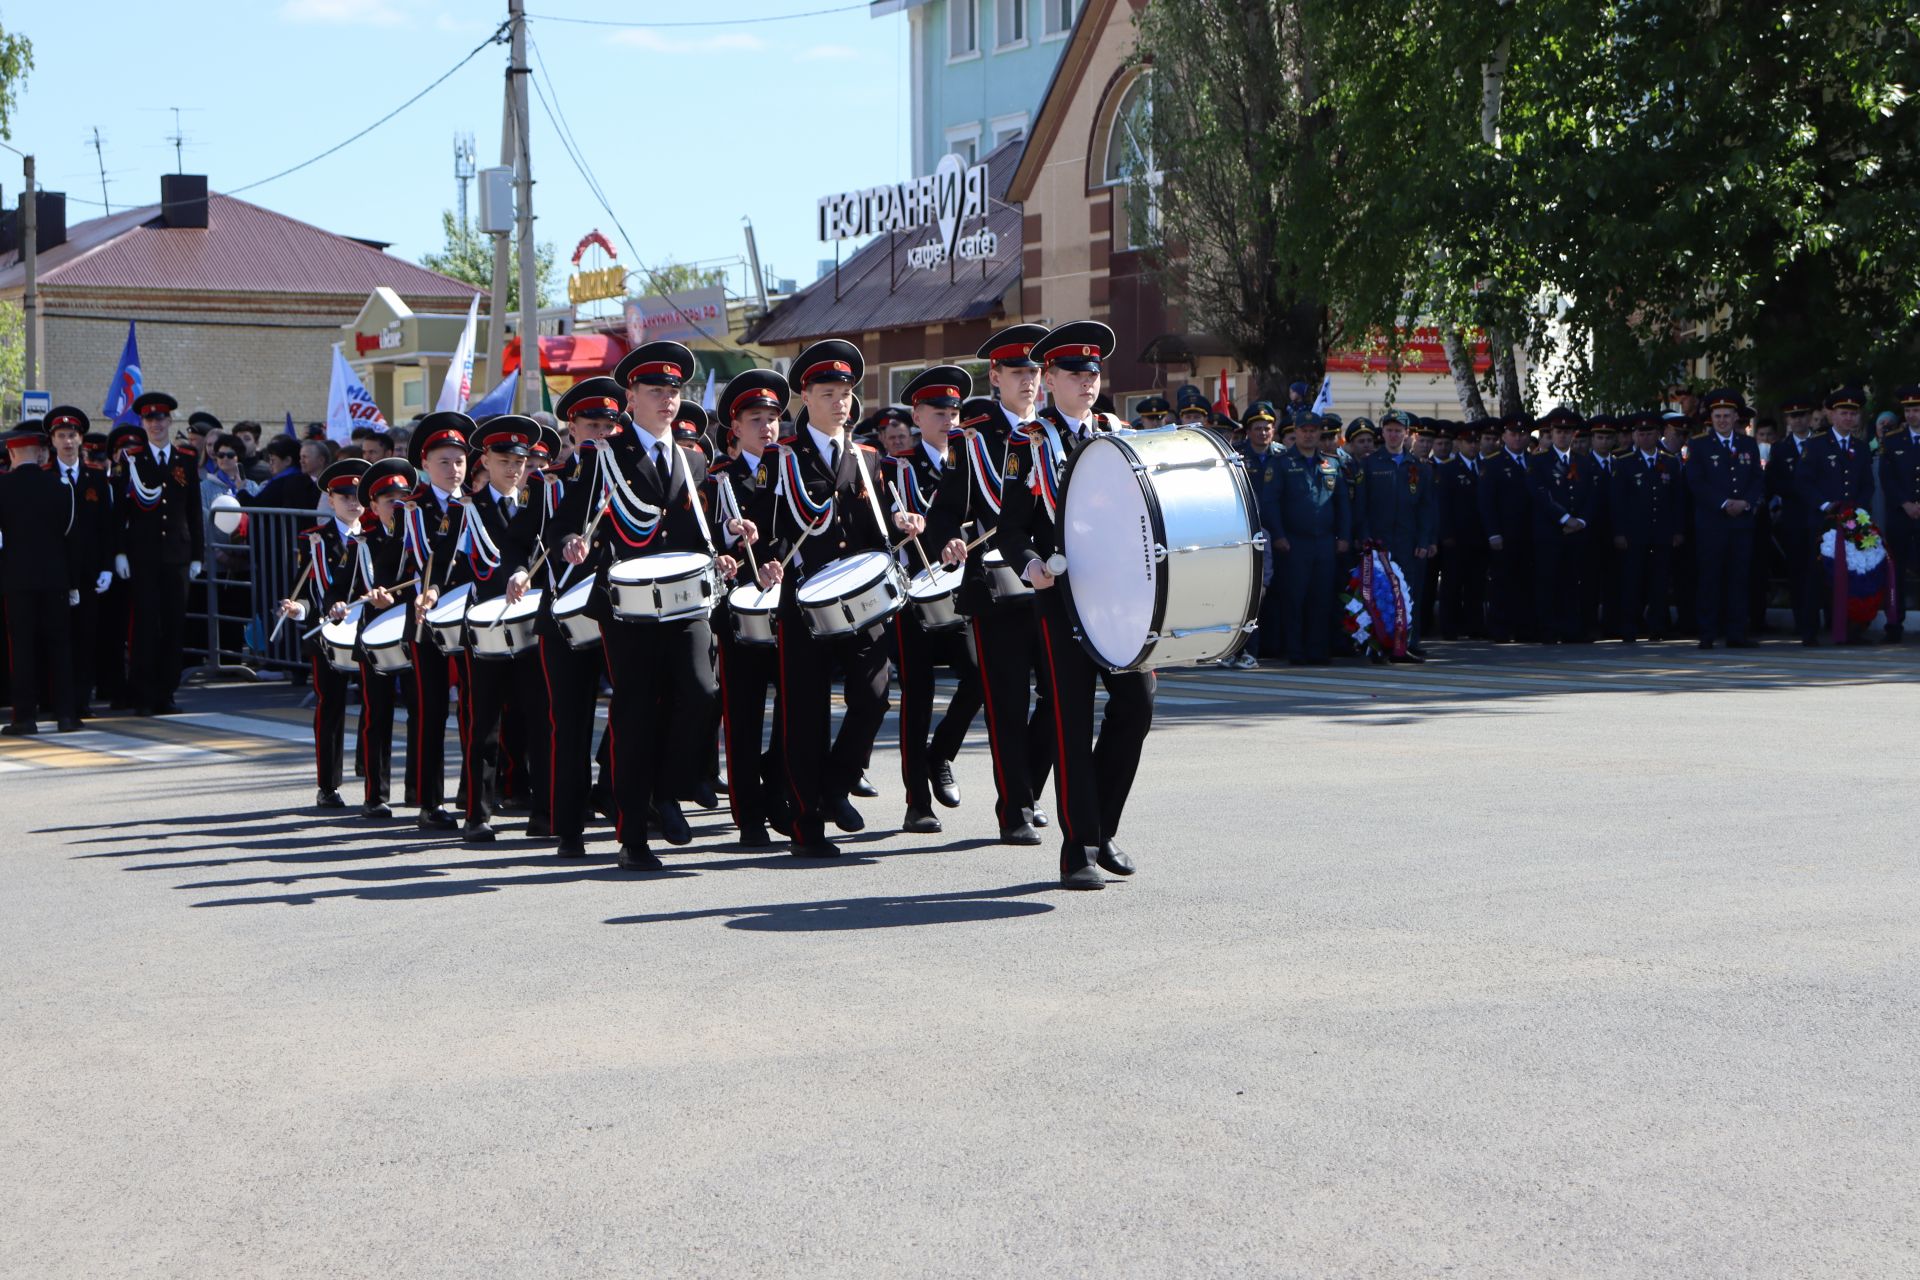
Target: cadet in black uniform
[1646, 501]
[824, 507]
[750, 406]
[334, 564]
[162, 546]
[438, 451]
[915, 475]
[1091, 781]
[36, 520]
[90, 547]
[1837, 477]
[382, 487]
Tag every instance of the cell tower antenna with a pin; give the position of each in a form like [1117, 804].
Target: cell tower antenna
[463, 170]
[178, 139]
[101, 159]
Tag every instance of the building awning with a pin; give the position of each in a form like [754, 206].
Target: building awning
[575, 355]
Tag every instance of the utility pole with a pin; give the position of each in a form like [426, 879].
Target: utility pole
[497, 292]
[30, 261]
[529, 304]
[100, 158]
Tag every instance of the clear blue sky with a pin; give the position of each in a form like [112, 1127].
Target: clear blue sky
[688, 129]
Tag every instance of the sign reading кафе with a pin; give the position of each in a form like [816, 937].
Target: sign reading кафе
[953, 194]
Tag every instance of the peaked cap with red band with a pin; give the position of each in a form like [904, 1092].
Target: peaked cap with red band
[65, 415]
[385, 476]
[944, 386]
[592, 398]
[753, 389]
[509, 433]
[1013, 346]
[658, 364]
[437, 429]
[830, 360]
[1079, 345]
[344, 476]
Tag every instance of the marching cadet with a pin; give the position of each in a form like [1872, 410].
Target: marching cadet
[438, 451]
[1790, 512]
[1506, 511]
[915, 476]
[1305, 512]
[1394, 506]
[36, 583]
[1900, 482]
[1646, 496]
[161, 549]
[1091, 780]
[824, 506]
[1600, 587]
[1463, 538]
[1837, 477]
[1562, 486]
[662, 715]
[334, 567]
[1005, 639]
[750, 405]
[1724, 479]
[90, 547]
[382, 487]
[116, 606]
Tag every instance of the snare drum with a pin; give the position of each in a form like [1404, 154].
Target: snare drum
[448, 619]
[852, 594]
[1004, 584]
[383, 642]
[338, 638]
[932, 595]
[752, 611]
[1163, 547]
[497, 629]
[667, 587]
[570, 615]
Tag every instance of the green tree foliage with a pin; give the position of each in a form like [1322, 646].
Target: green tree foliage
[13, 355]
[16, 59]
[468, 256]
[676, 277]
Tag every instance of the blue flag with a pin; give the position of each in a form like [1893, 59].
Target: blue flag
[498, 400]
[125, 387]
[290, 431]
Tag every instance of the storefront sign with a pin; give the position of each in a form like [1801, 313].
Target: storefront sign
[591, 286]
[981, 244]
[387, 339]
[678, 317]
[952, 194]
[1420, 351]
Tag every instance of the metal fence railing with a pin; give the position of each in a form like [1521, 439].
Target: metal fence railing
[231, 609]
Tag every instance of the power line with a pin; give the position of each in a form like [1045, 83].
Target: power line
[711, 22]
[498, 36]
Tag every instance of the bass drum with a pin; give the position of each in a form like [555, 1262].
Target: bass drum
[852, 594]
[1163, 547]
[338, 638]
[570, 615]
[383, 642]
[447, 620]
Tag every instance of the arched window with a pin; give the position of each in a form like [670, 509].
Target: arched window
[1130, 167]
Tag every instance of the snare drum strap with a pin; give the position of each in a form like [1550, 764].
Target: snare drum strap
[693, 497]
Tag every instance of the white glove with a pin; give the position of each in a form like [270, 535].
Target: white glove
[121, 568]
[101, 583]
[193, 570]
[73, 597]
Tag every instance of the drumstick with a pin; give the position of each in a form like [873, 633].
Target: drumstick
[425, 579]
[301, 582]
[914, 538]
[586, 535]
[752, 568]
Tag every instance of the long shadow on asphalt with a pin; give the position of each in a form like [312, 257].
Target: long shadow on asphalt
[893, 911]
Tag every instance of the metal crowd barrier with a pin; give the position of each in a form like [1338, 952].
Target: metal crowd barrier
[231, 608]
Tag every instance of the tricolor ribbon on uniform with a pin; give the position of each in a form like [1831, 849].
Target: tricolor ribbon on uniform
[551, 492]
[812, 517]
[986, 477]
[1049, 459]
[907, 485]
[144, 497]
[414, 543]
[483, 557]
[322, 570]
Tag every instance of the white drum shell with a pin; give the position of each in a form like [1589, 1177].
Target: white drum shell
[851, 594]
[447, 620]
[1004, 584]
[752, 611]
[1163, 547]
[570, 616]
[337, 640]
[668, 587]
[383, 641]
[932, 594]
[498, 630]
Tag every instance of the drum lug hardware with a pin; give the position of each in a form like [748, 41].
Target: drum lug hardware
[1159, 554]
[1182, 633]
[1260, 540]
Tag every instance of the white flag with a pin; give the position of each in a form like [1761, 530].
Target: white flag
[349, 404]
[1323, 403]
[706, 398]
[458, 387]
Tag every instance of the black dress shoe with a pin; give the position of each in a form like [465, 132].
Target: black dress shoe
[378, 809]
[818, 847]
[845, 816]
[863, 788]
[328, 798]
[945, 789]
[478, 833]
[754, 836]
[20, 729]
[920, 820]
[572, 847]
[704, 796]
[1417, 651]
[1706, 644]
[68, 725]
[631, 859]
[1023, 833]
[1743, 644]
[1077, 870]
[435, 820]
[673, 824]
[720, 787]
[1037, 816]
[538, 826]
[1891, 637]
[1113, 858]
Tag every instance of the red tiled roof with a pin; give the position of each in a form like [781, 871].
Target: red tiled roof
[243, 249]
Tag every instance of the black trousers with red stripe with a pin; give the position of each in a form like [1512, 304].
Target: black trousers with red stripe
[329, 722]
[571, 679]
[427, 696]
[820, 772]
[1091, 778]
[377, 695]
[661, 716]
[917, 652]
[746, 672]
[1007, 642]
[486, 685]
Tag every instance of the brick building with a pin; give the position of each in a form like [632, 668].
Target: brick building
[236, 307]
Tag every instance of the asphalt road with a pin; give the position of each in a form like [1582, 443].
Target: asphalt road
[1611, 975]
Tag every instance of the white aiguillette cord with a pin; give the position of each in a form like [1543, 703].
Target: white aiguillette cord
[873, 499]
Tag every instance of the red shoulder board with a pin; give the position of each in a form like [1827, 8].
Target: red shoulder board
[319, 528]
[789, 441]
[870, 449]
[904, 453]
